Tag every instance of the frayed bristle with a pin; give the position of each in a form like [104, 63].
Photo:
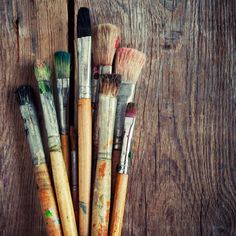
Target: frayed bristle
[42, 70]
[131, 110]
[105, 43]
[24, 94]
[110, 84]
[62, 64]
[129, 63]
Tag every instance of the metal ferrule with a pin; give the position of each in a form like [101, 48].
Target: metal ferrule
[106, 122]
[84, 58]
[105, 70]
[50, 117]
[126, 147]
[33, 134]
[63, 87]
[125, 95]
[74, 172]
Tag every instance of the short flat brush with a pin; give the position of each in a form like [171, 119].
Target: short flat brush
[84, 119]
[105, 42]
[62, 69]
[109, 86]
[122, 176]
[42, 73]
[128, 63]
[46, 197]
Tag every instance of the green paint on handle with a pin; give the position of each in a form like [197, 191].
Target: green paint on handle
[48, 213]
[82, 205]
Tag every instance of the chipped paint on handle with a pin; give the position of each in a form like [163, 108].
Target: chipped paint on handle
[102, 186]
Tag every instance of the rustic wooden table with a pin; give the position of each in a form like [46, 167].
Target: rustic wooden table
[183, 179]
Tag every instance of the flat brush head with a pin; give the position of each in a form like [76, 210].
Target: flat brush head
[62, 64]
[24, 94]
[42, 70]
[105, 43]
[129, 63]
[131, 110]
[110, 84]
[83, 23]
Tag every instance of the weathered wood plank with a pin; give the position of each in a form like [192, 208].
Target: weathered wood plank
[28, 30]
[182, 179]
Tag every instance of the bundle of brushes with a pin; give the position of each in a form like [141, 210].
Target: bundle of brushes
[93, 154]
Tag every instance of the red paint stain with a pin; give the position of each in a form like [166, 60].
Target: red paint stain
[102, 231]
[108, 212]
[117, 42]
[102, 169]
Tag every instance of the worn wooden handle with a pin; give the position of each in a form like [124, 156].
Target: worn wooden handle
[118, 205]
[84, 163]
[115, 162]
[62, 188]
[66, 152]
[47, 200]
[101, 198]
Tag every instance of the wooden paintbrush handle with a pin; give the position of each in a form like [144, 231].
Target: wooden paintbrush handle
[66, 152]
[101, 198]
[62, 188]
[115, 162]
[84, 162]
[47, 200]
[118, 205]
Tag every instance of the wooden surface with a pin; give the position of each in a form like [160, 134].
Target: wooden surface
[183, 177]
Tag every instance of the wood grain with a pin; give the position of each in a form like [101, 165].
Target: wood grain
[182, 181]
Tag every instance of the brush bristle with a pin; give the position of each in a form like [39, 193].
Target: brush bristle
[129, 63]
[24, 94]
[62, 64]
[42, 70]
[105, 43]
[83, 23]
[110, 84]
[131, 110]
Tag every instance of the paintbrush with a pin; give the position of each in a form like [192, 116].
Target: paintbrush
[102, 187]
[74, 174]
[47, 201]
[84, 119]
[42, 73]
[105, 42]
[128, 63]
[122, 176]
[62, 69]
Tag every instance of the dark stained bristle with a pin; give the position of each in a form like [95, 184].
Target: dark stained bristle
[110, 84]
[42, 70]
[131, 110]
[62, 64]
[83, 23]
[24, 94]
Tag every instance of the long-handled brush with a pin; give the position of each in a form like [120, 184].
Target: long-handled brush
[62, 68]
[128, 63]
[122, 177]
[47, 201]
[42, 74]
[84, 119]
[105, 42]
[102, 187]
